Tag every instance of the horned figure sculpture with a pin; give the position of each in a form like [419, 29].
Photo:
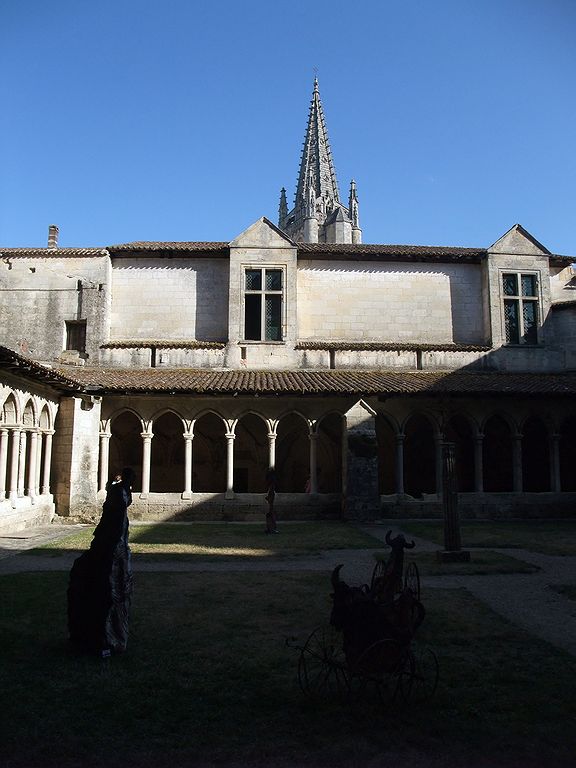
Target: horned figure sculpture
[391, 581]
[364, 621]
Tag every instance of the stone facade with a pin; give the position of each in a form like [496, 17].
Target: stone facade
[285, 305]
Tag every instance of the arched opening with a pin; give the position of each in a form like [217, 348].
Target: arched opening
[567, 449]
[126, 445]
[535, 456]
[497, 456]
[386, 438]
[28, 421]
[250, 455]
[292, 454]
[459, 431]
[167, 455]
[209, 455]
[329, 454]
[44, 425]
[9, 416]
[419, 457]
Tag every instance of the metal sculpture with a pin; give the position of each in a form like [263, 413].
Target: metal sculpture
[369, 642]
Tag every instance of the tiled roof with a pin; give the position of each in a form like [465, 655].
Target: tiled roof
[184, 247]
[163, 344]
[53, 252]
[369, 252]
[325, 382]
[24, 366]
[393, 346]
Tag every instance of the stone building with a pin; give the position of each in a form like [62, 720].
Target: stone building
[343, 365]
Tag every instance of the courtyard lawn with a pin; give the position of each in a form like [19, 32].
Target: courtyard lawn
[481, 563]
[548, 537]
[208, 680]
[214, 541]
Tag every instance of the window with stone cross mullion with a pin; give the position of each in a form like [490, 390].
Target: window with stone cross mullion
[263, 292]
[520, 291]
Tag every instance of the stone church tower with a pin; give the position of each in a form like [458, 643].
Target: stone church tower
[318, 215]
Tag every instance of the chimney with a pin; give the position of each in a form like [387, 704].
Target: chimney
[52, 236]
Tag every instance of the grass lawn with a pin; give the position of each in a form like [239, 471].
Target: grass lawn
[568, 590]
[208, 680]
[550, 538]
[214, 541]
[481, 563]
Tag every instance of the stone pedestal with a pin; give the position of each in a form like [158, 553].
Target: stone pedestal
[362, 499]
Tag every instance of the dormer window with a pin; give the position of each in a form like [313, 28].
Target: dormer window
[263, 294]
[520, 292]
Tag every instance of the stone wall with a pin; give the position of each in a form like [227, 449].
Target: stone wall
[38, 294]
[169, 298]
[75, 457]
[392, 302]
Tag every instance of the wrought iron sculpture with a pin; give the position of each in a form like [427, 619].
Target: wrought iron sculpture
[369, 642]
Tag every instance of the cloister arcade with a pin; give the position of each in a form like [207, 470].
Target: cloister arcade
[218, 454]
[26, 430]
[212, 451]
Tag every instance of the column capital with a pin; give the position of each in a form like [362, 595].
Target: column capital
[146, 436]
[188, 435]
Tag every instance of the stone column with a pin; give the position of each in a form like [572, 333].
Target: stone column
[188, 438]
[13, 482]
[22, 462]
[438, 443]
[146, 455]
[47, 461]
[230, 437]
[3, 461]
[313, 460]
[400, 463]
[555, 483]
[104, 460]
[478, 463]
[31, 480]
[271, 450]
[517, 462]
[453, 551]
[38, 478]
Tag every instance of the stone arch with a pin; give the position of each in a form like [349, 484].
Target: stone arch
[10, 412]
[535, 456]
[29, 414]
[386, 432]
[329, 453]
[209, 453]
[167, 453]
[292, 453]
[125, 442]
[460, 431]
[419, 455]
[497, 454]
[250, 454]
[567, 451]
[44, 420]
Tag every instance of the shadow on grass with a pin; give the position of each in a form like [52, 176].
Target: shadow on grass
[207, 679]
[548, 537]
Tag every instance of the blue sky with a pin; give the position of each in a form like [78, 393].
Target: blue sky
[172, 120]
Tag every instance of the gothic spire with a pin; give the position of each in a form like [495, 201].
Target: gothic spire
[282, 209]
[316, 161]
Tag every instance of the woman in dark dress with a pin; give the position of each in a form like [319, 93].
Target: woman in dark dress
[100, 588]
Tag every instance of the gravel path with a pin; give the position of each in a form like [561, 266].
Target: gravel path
[527, 600]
